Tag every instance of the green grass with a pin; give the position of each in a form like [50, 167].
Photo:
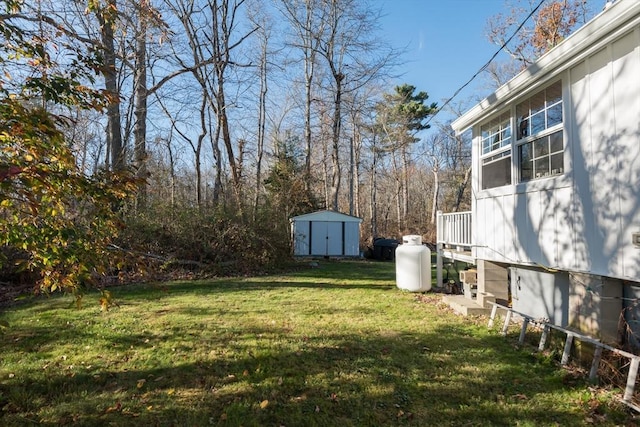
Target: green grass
[337, 345]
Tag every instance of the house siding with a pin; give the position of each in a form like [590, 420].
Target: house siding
[581, 220]
[605, 154]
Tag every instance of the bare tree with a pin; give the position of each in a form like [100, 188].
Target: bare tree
[353, 57]
[147, 16]
[107, 15]
[224, 40]
[524, 41]
[188, 137]
[261, 20]
[307, 21]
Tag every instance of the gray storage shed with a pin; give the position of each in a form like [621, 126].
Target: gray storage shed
[325, 233]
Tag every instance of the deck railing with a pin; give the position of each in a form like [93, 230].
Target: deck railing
[454, 229]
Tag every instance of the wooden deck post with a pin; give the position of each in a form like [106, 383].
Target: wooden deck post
[439, 248]
[494, 310]
[597, 355]
[543, 337]
[631, 379]
[567, 349]
[523, 332]
[439, 274]
[507, 320]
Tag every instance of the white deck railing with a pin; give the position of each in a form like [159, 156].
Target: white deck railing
[454, 229]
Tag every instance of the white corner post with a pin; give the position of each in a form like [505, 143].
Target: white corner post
[439, 247]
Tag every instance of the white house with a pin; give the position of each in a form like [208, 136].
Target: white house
[325, 233]
[555, 220]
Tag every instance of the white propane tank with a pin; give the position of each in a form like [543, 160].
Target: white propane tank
[413, 265]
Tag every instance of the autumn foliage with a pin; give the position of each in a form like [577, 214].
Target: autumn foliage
[59, 220]
[55, 221]
[555, 21]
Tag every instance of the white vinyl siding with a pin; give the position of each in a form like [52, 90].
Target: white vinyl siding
[581, 215]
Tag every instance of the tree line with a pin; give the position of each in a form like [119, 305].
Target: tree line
[140, 136]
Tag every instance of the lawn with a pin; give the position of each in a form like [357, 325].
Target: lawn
[336, 345]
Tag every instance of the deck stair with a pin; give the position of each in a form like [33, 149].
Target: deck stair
[471, 302]
[465, 306]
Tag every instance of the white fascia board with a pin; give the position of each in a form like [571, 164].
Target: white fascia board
[610, 23]
[326, 215]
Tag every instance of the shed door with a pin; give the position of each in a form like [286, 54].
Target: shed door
[326, 238]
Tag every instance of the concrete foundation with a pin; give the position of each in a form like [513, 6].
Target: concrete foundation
[595, 305]
[493, 280]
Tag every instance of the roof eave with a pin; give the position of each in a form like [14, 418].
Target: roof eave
[552, 63]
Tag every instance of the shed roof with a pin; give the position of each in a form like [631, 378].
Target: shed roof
[613, 22]
[326, 215]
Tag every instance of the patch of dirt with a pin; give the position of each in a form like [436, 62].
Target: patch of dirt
[11, 293]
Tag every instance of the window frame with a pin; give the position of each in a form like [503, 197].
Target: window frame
[504, 144]
[547, 132]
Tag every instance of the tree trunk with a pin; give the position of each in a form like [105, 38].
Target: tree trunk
[217, 155]
[308, 80]
[223, 125]
[172, 172]
[398, 190]
[460, 190]
[335, 140]
[436, 191]
[325, 172]
[141, 94]
[405, 185]
[373, 208]
[198, 150]
[107, 17]
[262, 107]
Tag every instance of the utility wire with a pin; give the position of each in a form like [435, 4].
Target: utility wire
[485, 66]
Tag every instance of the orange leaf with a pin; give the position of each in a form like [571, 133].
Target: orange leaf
[117, 407]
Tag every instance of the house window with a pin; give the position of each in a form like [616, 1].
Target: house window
[539, 134]
[496, 134]
[496, 152]
[496, 170]
[541, 157]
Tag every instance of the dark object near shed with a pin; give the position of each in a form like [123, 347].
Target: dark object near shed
[384, 249]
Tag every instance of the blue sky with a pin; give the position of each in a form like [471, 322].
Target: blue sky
[445, 41]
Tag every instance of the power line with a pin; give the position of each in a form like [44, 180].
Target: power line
[485, 66]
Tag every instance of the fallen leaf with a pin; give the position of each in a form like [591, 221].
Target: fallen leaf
[114, 408]
[264, 404]
[140, 383]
